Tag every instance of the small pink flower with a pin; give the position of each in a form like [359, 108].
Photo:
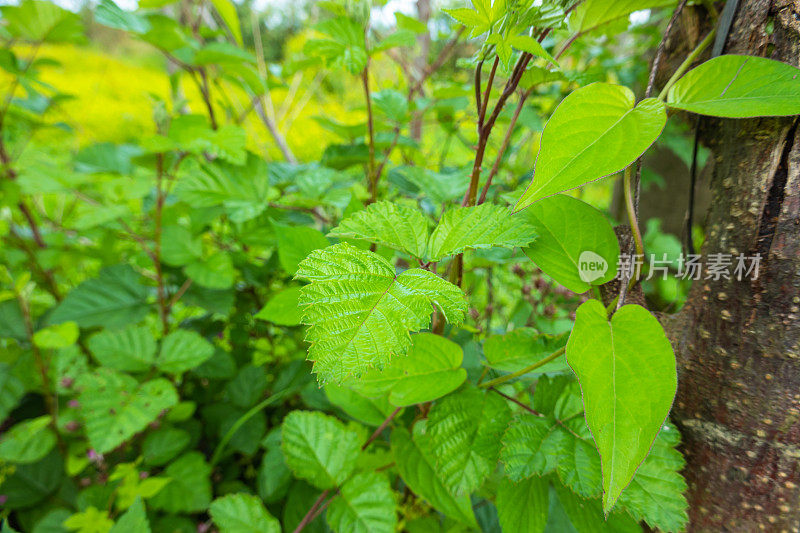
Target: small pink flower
[74, 404]
[144, 475]
[67, 382]
[3, 499]
[94, 456]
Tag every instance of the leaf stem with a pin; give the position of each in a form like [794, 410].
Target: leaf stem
[687, 63]
[634, 223]
[502, 379]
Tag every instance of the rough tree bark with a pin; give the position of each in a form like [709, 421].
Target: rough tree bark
[738, 342]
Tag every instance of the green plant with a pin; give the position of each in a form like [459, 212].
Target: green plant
[156, 294]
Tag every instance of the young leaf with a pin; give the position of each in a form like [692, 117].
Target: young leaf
[360, 311]
[483, 226]
[242, 513]
[416, 464]
[735, 86]
[528, 44]
[521, 348]
[523, 506]
[183, 350]
[431, 370]
[134, 520]
[464, 428]
[318, 448]
[189, 490]
[577, 246]
[227, 11]
[593, 13]
[132, 349]
[28, 442]
[283, 308]
[594, 132]
[115, 407]
[626, 369]
[387, 224]
[365, 504]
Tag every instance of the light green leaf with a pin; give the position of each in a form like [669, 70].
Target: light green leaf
[115, 407]
[416, 464]
[628, 379]
[528, 44]
[593, 13]
[39, 20]
[178, 247]
[132, 349]
[57, 336]
[109, 14]
[387, 224]
[11, 390]
[464, 429]
[189, 490]
[134, 520]
[735, 86]
[242, 513]
[656, 494]
[90, 520]
[318, 448]
[183, 350]
[391, 103]
[28, 441]
[295, 243]
[594, 132]
[273, 476]
[227, 11]
[431, 370]
[530, 446]
[483, 226]
[577, 246]
[214, 272]
[586, 516]
[283, 308]
[369, 410]
[521, 348]
[365, 504]
[360, 311]
[114, 299]
[523, 506]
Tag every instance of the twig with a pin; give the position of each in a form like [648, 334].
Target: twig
[371, 179]
[514, 400]
[530, 368]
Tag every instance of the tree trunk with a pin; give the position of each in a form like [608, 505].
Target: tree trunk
[738, 341]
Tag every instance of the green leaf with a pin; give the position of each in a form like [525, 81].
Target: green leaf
[528, 44]
[183, 350]
[586, 516]
[431, 370]
[735, 86]
[132, 349]
[39, 20]
[214, 272]
[12, 324]
[164, 444]
[521, 348]
[28, 441]
[242, 513]
[656, 494]
[190, 488]
[365, 504]
[577, 246]
[133, 521]
[318, 448]
[295, 243]
[115, 407]
[273, 476]
[29, 484]
[523, 506]
[391, 103]
[109, 14]
[530, 446]
[628, 379]
[57, 336]
[594, 132]
[416, 463]
[483, 226]
[477, 22]
[360, 311]
[11, 390]
[387, 224]
[179, 247]
[114, 299]
[593, 13]
[283, 308]
[370, 411]
[227, 11]
[464, 429]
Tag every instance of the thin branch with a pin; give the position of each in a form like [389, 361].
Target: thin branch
[530, 368]
[514, 400]
[371, 178]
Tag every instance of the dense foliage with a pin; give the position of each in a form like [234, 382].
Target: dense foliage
[202, 327]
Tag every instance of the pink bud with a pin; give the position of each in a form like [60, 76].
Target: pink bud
[72, 425]
[144, 475]
[74, 404]
[67, 382]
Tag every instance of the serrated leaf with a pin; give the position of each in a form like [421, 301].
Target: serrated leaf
[593, 13]
[38, 20]
[164, 444]
[576, 246]
[594, 132]
[530, 446]
[28, 441]
[114, 299]
[361, 312]
[318, 448]
[57, 336]
[523, 506]
[387, 224]
[115, 407]
[132, 349]
[656, 494]
[416, 464]
[29, 484]
[431, 370]
[528, 44]
[189, 490]
[478, 23]
[283, 308]
[178, 246]
[365, 504]
[521, 348]
[586, 516]
[295, 243]
[736, 86]
[464, 428]
[626, 369]
[183, 350]
[242, 513]
[369, 410]
[134, 520]
[483, 226]
[213, 272]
